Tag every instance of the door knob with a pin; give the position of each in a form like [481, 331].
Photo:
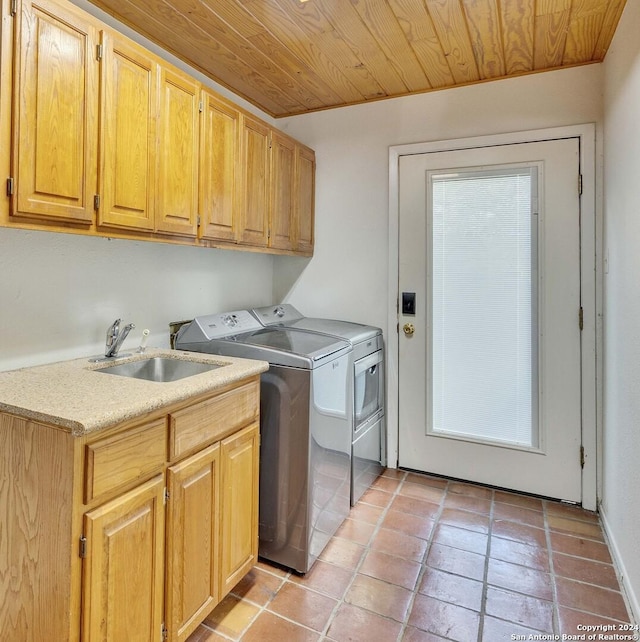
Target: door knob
[408, 329]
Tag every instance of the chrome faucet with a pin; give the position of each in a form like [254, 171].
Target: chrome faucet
[115, 337]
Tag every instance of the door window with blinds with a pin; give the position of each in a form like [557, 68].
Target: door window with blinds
[482, 288]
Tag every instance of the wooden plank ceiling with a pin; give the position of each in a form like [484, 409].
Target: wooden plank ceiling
[291, 56]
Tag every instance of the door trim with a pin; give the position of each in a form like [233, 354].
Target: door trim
[591, 281]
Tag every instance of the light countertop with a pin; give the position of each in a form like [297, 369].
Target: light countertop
[73, 396]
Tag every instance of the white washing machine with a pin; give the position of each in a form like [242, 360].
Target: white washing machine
[367, 386]
[305, 429]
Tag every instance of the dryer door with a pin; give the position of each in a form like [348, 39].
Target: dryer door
[369, 388]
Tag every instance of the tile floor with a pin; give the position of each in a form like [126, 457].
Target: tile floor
[422, 559]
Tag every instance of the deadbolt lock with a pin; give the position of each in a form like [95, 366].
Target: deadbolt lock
[408, 329]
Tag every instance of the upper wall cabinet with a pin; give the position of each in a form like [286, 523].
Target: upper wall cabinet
[129, 82]
[178, 138]
[100, 136]
[219, 169]
[254, 218]
[55, 113]
[283, 157]
[304, 192]
[6, 76]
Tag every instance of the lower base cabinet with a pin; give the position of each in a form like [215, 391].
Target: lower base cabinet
[123, 570]
[193, 542]
[133, 534]
[239, 542]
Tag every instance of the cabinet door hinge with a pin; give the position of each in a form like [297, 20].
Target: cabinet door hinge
[83, 547]
[14, 7]
[581, 318]
[200, 106]
[198, 220]
[163, 633]
[581, 456]
[10, 186]
[166, 495]
[96, 202]
[99, 52]
[579, 184]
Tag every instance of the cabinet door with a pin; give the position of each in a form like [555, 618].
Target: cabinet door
[55, 114]
[6, 64]
[283, 154]
[255, 183]
[305, 199]
[192, 588]
[219, 170]
[178, 137]
[239, 542]
[127, 136]
[123, 572]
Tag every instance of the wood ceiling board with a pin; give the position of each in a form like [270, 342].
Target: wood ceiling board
[384, 27]
[418, 29]
[549, 39]
[283, 27]
[330, 43]
[307, 86]
[314, 92]
[451, 27]
[206, 56]
[611, 19]
[585, 25]
[195, 16]
[313, 22]
[348, 25]
[334, 46]
[289, 57]
[483, 20]
[518, 21]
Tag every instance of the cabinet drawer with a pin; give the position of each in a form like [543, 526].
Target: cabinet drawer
[213, 419]
[123, 458]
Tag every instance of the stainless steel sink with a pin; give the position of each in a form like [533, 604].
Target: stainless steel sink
[161, 369]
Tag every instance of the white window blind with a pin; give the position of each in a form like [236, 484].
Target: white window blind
[483, 305]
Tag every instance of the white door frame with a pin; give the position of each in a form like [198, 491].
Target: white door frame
[590, 276]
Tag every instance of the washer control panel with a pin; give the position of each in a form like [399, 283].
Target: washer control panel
[283, 314]
[226, 324]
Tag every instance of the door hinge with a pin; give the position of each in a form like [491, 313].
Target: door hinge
[96, 202]
[14, 7]
[163, 633]
[83, 547]
[581, 456]
[10, 186]
[99, 52]
[201, 106]
[579, 184]
[581, 318]
[198, 220]
[166, 495]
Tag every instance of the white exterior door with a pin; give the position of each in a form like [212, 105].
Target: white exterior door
[489, 357]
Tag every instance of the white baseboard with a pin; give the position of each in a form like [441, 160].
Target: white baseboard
[628, 590]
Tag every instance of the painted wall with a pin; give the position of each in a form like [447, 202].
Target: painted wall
[347, 276]
[60, 292]
[621, 497]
